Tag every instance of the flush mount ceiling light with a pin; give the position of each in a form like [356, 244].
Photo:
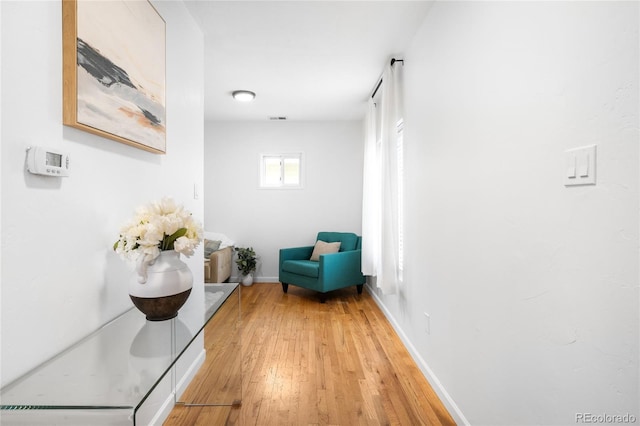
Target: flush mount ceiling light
[243, 95]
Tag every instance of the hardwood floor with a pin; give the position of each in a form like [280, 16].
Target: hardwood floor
[312, 363]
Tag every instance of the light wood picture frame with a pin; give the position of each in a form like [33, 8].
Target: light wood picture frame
[114, 71]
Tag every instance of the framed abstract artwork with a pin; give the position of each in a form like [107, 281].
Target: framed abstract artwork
[114, 71]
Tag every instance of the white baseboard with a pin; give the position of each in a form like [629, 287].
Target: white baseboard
[181, 386]
[164, 411]
[274, 280]
[437, 386]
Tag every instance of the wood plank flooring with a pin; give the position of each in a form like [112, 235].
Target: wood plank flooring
[311, 363]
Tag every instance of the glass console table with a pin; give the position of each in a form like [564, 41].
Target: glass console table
[109, 376]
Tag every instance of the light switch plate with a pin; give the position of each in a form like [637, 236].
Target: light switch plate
[580, 166]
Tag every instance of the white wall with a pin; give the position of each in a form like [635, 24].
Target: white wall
[1, 97]
[60, 278]
[269, 219]
[532, 287]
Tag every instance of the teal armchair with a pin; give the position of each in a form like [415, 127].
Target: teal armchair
[333, 271]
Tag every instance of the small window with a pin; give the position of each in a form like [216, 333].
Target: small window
[281, 170]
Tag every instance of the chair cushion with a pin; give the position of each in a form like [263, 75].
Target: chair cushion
[348, 240]
[323, 247]
[307, 268]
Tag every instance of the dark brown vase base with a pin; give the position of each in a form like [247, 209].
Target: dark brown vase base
[161, 308]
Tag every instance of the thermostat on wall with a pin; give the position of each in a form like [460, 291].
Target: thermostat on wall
[48, 162]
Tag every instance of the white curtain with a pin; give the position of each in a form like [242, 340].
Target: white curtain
[381, 192]
[371, 193]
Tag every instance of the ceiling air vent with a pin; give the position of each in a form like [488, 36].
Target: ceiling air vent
[277, 118]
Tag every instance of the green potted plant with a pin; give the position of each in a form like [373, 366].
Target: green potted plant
[246, 263]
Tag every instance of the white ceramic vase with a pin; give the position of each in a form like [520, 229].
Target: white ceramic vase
[247, 280]
[159, 287]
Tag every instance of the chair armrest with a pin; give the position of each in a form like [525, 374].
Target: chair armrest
[344, 266]
[220, 265]
[294, 253]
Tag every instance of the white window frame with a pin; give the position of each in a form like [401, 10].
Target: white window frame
[282, 156]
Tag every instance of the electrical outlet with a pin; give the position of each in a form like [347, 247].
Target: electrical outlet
[427, 323]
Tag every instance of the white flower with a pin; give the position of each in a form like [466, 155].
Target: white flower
[165, 206]
[158, 226]
[184, 245]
